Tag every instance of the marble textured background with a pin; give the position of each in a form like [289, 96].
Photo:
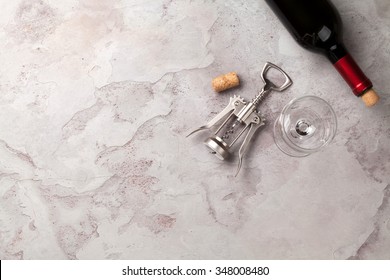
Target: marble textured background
[96, 97]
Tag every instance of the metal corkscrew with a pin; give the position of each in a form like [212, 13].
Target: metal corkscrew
[239, 117]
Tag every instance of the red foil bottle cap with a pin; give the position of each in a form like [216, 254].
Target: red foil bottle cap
[353, 75]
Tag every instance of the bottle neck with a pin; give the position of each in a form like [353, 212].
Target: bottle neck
[348, 69]
[336, 52]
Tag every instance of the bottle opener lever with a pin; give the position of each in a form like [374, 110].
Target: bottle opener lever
[240, 119]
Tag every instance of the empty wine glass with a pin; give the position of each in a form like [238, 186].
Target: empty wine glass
[305, 125]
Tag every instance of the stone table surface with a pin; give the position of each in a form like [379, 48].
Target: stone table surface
[97, 96]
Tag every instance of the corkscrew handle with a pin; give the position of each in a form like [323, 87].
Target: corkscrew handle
[269, 85]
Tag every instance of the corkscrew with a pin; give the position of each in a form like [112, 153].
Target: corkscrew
[239, 117]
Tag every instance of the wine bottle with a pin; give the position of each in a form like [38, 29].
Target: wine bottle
[316, 25]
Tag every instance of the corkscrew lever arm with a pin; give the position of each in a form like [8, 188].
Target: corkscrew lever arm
[224, 115]
[245, 144]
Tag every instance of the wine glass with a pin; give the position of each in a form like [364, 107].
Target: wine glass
[305, 125]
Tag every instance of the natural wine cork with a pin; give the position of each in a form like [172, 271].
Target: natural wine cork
[225, 82]
[370, 98]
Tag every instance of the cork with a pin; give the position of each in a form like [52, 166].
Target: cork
[225, 82]
[370, 98]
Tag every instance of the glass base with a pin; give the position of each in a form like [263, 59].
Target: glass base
[282, 145]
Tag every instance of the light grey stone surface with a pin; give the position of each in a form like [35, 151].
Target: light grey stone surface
[96, 97]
